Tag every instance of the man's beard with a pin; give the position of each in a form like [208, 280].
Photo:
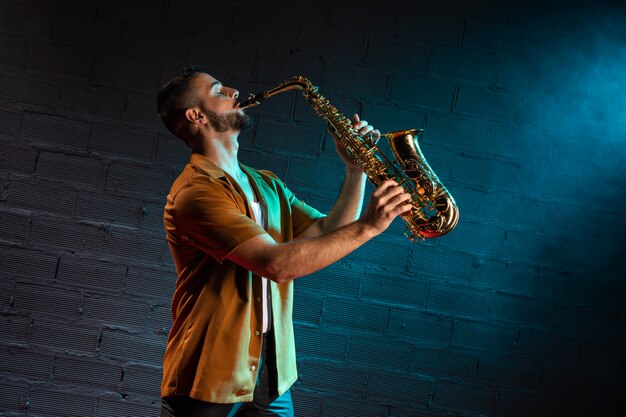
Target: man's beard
[237, 121]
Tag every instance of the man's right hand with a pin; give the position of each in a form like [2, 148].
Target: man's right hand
[386, 202]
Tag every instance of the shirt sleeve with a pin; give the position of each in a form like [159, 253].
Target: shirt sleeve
[208, 217]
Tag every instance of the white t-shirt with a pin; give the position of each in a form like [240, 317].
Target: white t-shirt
[258, 215]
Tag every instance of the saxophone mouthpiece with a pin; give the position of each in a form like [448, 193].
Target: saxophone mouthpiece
[252, 100]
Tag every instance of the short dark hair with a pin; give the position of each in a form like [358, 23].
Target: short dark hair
[175, 97]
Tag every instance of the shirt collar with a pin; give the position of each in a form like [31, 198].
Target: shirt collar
[209, 168]
[203, 163]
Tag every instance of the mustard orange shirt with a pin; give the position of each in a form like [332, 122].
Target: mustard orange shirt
[214, 345]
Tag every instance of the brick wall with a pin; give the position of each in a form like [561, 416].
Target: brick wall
[517, 312]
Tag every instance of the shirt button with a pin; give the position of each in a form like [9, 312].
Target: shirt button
[256, 333]
[253, 368]
[258, 298]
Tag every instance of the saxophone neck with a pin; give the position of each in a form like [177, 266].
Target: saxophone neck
[299, 82]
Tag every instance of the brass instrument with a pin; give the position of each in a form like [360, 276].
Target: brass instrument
[434, 211]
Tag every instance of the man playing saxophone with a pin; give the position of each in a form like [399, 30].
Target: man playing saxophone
[239, 237]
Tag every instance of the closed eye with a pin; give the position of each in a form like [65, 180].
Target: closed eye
[216, 88]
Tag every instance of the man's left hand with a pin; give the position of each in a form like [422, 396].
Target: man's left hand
[365, 131]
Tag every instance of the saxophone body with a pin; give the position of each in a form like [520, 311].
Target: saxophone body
[434, 212]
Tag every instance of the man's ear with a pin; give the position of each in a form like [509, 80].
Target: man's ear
[194, 115]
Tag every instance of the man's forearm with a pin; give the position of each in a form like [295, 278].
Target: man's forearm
[297, 258]
[349, 203]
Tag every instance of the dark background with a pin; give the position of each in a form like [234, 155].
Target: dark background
[519, 312]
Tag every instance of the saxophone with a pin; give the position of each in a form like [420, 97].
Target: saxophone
[434, 212]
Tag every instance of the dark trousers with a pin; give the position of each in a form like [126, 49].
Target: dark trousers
[266, 402]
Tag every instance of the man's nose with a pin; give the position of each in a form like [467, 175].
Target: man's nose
[232, 93]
